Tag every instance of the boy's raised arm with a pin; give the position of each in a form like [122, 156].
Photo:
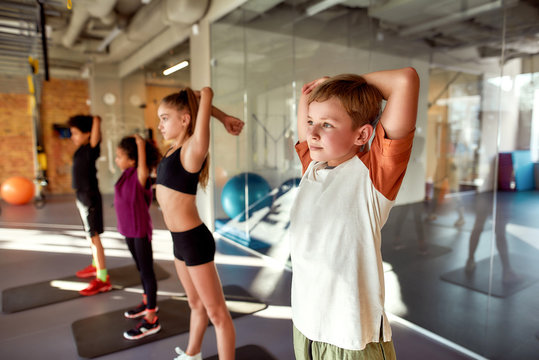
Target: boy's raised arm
[95, 134]
[400, 87]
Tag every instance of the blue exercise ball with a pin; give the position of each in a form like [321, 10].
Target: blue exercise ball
[288, 185]
[234, 192]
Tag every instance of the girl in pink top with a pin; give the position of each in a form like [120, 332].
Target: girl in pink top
[132, 199]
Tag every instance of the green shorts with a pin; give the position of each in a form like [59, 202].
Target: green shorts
[306, 349]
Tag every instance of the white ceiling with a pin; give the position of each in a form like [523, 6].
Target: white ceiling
[111, 31]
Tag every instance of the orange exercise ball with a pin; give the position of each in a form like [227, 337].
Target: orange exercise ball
[17, 190]
[221, 176]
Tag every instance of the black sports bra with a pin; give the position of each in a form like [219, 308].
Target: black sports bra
[171, 173]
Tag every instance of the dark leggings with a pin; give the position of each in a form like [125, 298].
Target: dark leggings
[141, 249]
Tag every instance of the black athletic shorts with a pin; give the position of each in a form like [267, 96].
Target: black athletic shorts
[195, 246]
[91, 211]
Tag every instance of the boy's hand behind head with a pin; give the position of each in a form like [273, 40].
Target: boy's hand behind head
[309, 87]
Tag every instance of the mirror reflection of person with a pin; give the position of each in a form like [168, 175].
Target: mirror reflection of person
[415, 166]
[483, 208]
[447, 184]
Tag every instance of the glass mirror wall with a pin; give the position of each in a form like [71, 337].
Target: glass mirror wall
[460, 247]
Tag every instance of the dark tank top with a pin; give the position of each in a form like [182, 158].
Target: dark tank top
[170, 173]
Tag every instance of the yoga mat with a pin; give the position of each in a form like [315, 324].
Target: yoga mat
[249, 352]
[103, 334]
[57, 290]
[411, 254]
[525, 268]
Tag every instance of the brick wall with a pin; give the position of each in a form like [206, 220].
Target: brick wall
[60, 100]
[16, 144]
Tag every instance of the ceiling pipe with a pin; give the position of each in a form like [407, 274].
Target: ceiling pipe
[321, 6]
[453, 18]
[150, 21]
[326, 4]
[82, 11]
[109, 38]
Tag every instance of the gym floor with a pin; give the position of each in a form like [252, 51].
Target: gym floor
[44, 244]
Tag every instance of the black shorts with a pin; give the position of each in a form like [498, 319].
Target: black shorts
[91, 211]
[195, 246]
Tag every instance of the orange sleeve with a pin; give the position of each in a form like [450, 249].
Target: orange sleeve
[302, 149]
[387, 160]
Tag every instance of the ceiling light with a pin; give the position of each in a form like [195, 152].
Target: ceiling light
[108, 39]
[176, 67]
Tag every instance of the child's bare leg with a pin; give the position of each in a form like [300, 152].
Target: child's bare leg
[98, 252]
[208, 286]
[199, 318]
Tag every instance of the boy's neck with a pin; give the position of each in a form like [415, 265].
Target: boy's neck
[336, 162]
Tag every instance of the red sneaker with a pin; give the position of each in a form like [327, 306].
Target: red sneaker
[88, 271]
[96, 286]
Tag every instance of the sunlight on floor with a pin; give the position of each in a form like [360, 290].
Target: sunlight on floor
[275, 312]
[70, 241]
[68, 285]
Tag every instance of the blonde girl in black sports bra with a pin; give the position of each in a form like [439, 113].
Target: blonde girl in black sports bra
[185, 119]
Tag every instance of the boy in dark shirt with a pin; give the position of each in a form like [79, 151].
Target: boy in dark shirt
[86, 134]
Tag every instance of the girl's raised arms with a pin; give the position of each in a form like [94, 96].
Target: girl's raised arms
[142, 169]
[197, 146]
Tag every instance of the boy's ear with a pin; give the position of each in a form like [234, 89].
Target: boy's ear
[364, 133]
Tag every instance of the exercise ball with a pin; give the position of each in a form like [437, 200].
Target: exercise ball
[233, 196]
[221, 176]
[17, 190]
[288, 185]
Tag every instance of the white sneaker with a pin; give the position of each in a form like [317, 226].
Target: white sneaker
[184, 356]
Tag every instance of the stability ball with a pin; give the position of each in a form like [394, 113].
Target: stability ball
[17, 190]
[221, 176]
[288, 185]
[234, 192]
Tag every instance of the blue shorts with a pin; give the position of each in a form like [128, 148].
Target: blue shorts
[195, 246]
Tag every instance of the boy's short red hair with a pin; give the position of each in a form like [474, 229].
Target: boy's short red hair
[361, 100]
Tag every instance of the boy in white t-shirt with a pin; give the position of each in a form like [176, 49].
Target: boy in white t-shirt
[343, 200]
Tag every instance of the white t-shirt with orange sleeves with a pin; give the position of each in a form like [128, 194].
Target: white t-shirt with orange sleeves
[336, 219]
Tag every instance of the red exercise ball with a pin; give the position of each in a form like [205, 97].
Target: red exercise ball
[17, 190]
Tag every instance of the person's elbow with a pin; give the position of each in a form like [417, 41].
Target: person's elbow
[409, 78]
